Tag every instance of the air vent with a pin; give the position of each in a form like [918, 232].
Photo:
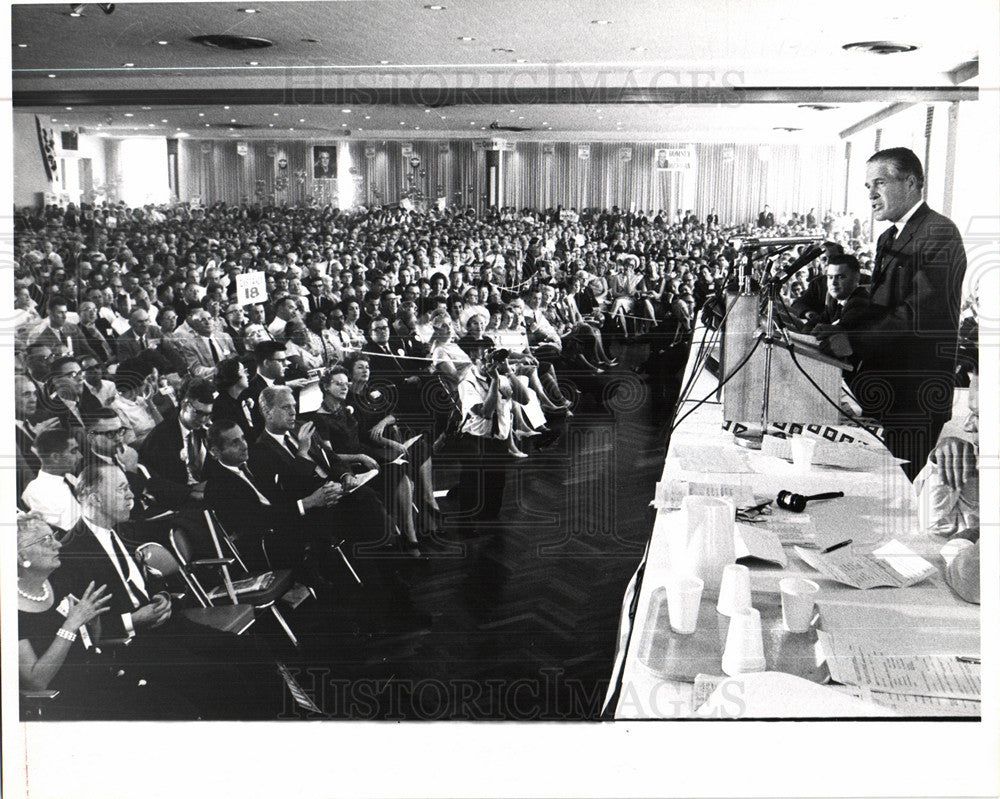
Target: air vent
[881, 48]
[225, 41]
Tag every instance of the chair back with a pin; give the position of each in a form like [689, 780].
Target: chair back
[183, 552]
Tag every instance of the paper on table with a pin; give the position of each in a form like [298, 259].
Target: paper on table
[774, 694]
[756, 541]
[361, 479]
[855, 456]
[915, 705]
[726, 460]
[669, 493]
[704, 685]
[922, 675]
[891, 566]
[793, 531]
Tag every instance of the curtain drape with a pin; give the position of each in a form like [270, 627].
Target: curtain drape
[733, 180]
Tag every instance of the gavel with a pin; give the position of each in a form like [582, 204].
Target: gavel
[797, 503]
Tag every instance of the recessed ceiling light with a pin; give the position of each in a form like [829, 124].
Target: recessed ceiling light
[472, 123]
[164, 121]
[232, 129]
[163, 41]
[343, 124]
[291, 128]
[201, 113]
[51, 76]
[151, 125]
[22, 45]
[520, 60]
[253, 63]
[443, 116]
[520, 117]
[416, 127]
[360, 128]
[881, 48]
[249, 10]
[75, 14]
[232, 120]
[208, 124]
[427, 110]
[600, 22]
[54, 119]
[345, 110]
[69, 108]
[383, 62]
[467, 38]
[402, 123]
[270, 124]
[129, 114]
[367, 117]
[128, 64]
[225, 107]
[274, 114]
[435, 8]
[178, 128]
[147, 108]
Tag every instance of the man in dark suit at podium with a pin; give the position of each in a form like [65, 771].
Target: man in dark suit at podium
[906, 339]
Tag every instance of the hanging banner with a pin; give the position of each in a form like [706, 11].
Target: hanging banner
[583, 152]
[251, 288]
[625, 153]
[46, 141]
[508, 146]
[407, 149]
[548, 149]
[370, 151]
[675, 159]
[443, 148]
[272, 150]
[241, 148]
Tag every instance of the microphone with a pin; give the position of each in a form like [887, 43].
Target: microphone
[753, 243]
[810, 255]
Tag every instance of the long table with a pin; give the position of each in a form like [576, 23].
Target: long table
[878, 505]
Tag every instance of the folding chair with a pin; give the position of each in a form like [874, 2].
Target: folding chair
[157, 562]
[263, 597]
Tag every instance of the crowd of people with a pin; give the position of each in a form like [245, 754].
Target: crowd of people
[147, 388]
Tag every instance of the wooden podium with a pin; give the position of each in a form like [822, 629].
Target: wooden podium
[792, 397]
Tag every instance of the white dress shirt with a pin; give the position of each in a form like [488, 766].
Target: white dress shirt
[51, 496]
[134, 582]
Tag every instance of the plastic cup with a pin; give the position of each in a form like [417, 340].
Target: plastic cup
[683, 603]
[744, 644]
[798, 603]
[803, 450]
[734, 594]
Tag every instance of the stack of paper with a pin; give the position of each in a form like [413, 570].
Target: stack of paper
[669, 493]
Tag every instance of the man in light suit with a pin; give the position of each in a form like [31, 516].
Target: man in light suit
[907, 338]
[201, 347]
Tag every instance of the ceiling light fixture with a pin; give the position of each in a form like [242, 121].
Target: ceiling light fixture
[249, 10]
[201, 113]
[383, 62]
[435, 8]
[76, 10]
[274, 114]
[301, 120]
[129, 114]
[467, 38]
[51, 75]
[128, 64]
[22, 45]
[253, 63]
[345, 110]
[163, 41]
[69, 108]
[520, 60]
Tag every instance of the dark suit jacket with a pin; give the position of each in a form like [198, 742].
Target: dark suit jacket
[816, 298]
[51, 340]
[282, 476]
[225, 407]
[160, 452]
[907, 336]
[27, 461]
[83, 559]
[239, 508]
[104, 347]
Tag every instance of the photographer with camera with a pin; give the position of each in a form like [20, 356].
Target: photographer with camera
[487, 395]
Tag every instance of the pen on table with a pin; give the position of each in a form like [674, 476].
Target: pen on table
[968, 659]
[835, 547]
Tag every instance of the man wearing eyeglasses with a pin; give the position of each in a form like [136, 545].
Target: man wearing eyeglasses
[105, 444]
[176, 449]
[271, 359]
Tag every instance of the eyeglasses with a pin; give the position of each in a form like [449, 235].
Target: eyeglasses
[48, 539]
[118, 433]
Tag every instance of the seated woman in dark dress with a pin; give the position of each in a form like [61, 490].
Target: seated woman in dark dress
[347, 426]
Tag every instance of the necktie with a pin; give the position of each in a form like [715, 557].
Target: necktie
[885, 241]
[69, 485]
[247, 413]
[248, 476]
[125, 564]
[292, 445]
[196, 453]
[214, 349]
